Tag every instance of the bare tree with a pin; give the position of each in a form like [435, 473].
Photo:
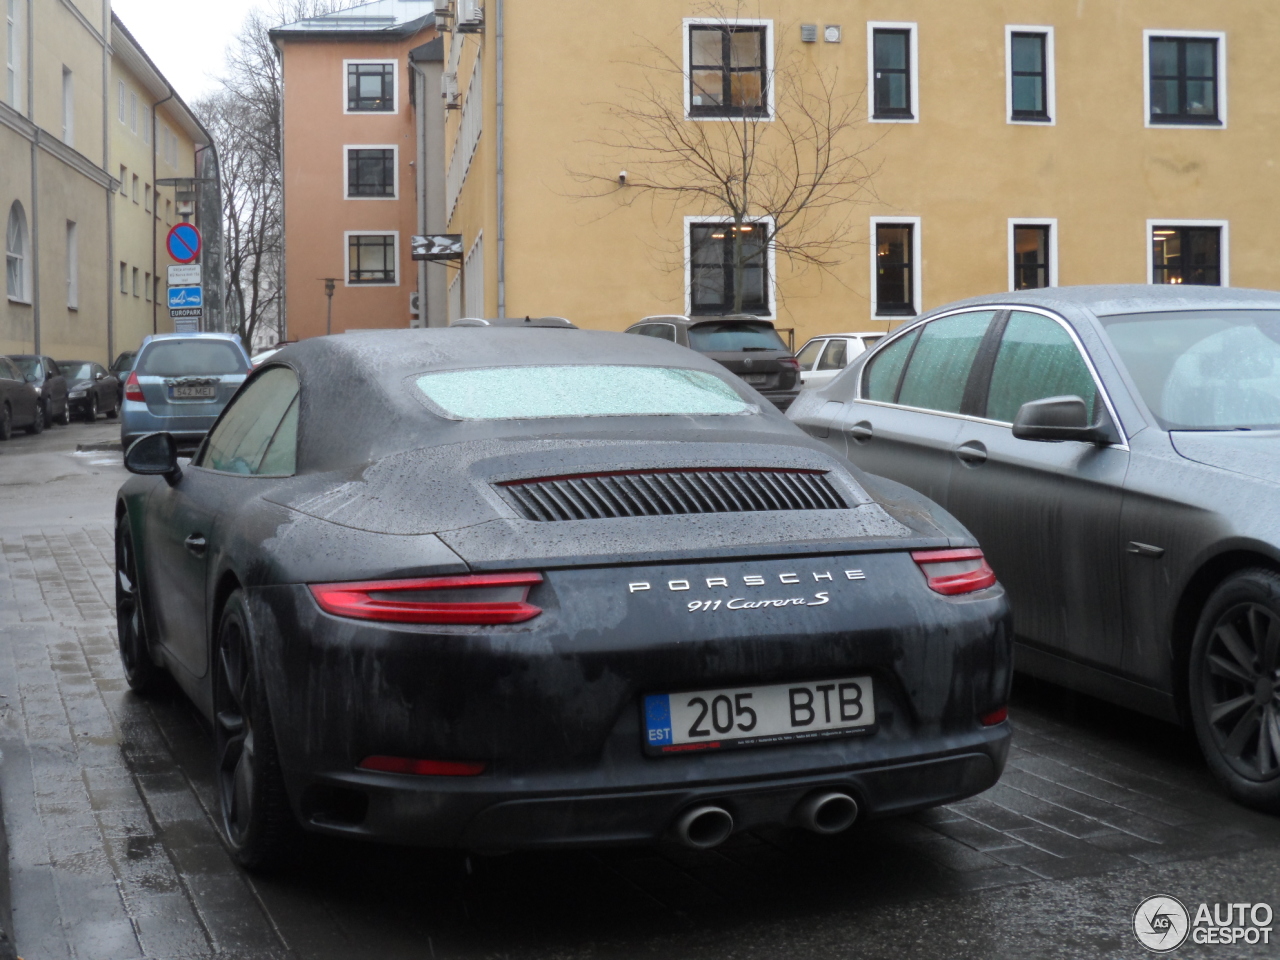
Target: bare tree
[776, 159]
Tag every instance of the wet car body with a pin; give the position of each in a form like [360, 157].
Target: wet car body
[19, 402]
[1113, 549]
[746, 345]
[548, 718]
[50, 385]
[91, 389]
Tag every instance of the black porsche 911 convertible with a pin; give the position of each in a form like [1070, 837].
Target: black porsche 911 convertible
[494, 589]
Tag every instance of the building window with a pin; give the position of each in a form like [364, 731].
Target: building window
[371, 171]
[891, 58]
[155, 286]
[371, 87]
[12, 46]
[73, 266]
[68, 108]
[136, 286]
[146, 124]
[133, 112]
[1184, 79]
[120, 100]
[135, 188]
[371, 258]
[146, 204]
[123, 180]
[728, 70]
[1032, 259]
[168, 211]
[1030, 66]
[473, 288]
[146, 286]
[716, 273]
[896, 279]
[17, 255]
[124, 277]
[1188, 254]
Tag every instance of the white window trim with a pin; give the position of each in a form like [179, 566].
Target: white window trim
[346, 256]
[1218, 35]
[917, 280]
[1224, 244]
[771, 260]
[395, 172]
[768, 63]
[1050, 80]
[395, 88]
[913, 45]
[1052, 224]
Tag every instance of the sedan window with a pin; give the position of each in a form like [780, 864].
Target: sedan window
[833, 358]
[809, 353]
[239, 442]
[939, 369]
[1037, 359]
[884, 371]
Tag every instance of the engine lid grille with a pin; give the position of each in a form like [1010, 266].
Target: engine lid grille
[655, 493]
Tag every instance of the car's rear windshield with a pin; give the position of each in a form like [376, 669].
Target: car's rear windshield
[76, 371]
[1204, 369]
[523, 393]
[727, 336]
[190, 358]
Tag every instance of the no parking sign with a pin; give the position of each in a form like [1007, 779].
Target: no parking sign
[183, 242]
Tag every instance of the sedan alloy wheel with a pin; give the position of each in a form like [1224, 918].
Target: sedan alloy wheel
[6, 422]
[42, 417]
[140, 671]
[91, 409]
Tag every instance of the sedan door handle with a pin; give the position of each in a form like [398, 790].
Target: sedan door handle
[972, 454]
[860, 432]
[196, 543]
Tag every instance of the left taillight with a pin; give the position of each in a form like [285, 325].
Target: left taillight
[952, 572]
[132, 388]
[485, 598]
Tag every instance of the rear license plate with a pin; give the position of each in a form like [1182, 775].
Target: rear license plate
[755, 716]
[755, 378]
[201, 392]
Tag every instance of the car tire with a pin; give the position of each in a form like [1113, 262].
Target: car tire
[1235, 686]
[254, 813]
[140, 669]
[6, 422]
[114, 411]
[65, 419]
[91, 409]
[42, 417]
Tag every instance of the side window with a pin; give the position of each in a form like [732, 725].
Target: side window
[7, 370]
[809, 353]
[1037, 359]
[833, 358]
[281, 458]
[940, 366]
[884, 371]
[240, 440]
[664, 331]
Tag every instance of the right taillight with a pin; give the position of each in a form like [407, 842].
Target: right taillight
[952, 572]
[132, 388]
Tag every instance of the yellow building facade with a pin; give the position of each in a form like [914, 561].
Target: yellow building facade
[1006, 144]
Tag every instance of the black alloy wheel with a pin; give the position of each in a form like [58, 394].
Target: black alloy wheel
[42, 417]
[91, 409]
[140, 670]
[115, 407]
[65, 419]
[6, 422]
[1235, 686]
[257, 822]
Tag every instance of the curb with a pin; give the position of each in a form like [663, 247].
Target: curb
[95, 447]
[6, 916]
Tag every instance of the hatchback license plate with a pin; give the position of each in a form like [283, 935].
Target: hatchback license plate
[754, 716]
[201, 392]
[755, 378]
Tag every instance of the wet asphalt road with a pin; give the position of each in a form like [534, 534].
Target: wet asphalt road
[107, 800]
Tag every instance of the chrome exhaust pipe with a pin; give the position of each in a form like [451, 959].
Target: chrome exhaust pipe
[827, 812]
[702, 828]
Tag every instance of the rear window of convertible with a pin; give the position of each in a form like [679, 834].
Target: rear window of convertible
[520, 393]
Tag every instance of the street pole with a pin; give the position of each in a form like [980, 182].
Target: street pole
[329, 284]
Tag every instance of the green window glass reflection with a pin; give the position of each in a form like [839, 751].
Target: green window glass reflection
[1037, 359]
[939, 370]
[884, 370]
[239, 442]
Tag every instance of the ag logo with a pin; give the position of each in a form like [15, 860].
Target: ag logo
[1161, 923]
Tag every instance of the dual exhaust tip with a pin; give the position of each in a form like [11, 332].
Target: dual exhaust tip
[825, 812]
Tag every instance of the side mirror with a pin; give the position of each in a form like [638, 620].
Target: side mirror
[32, 378]
[154, 455]
[99, 375]
[1055, 419]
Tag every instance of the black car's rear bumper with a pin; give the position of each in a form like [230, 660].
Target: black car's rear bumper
[552, 707]
[782, 399]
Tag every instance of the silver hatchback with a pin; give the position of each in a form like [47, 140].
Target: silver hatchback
[179, 384]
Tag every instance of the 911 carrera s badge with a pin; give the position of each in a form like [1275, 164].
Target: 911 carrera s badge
[817, 599]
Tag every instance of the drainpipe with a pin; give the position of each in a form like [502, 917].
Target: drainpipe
[155, 193]
[502, 169]
[35, 179]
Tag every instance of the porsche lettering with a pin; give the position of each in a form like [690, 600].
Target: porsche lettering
[749, 580]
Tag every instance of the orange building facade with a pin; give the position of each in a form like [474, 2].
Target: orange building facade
[353, 165]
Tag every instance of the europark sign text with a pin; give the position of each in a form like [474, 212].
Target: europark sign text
[186, 294]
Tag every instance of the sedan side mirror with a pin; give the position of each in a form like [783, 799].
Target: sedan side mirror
[99, 375]
[154, 455]
[32, 378]
[1061, 418]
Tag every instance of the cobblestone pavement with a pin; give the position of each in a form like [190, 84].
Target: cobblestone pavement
[113, 855]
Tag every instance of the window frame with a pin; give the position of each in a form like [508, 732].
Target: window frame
[1002, 311]
[1050, 80]
[1052, 224]
[346, 257]
[770, 266]
[395, 86]
[769, 112]
[25, 294]
[395, 170]
[917, 279]
[1224, 247]
[913, 69]
[1220, 84]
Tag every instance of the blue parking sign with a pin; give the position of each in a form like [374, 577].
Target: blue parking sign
[188, 297]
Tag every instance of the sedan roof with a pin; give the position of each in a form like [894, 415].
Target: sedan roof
[1107, 299]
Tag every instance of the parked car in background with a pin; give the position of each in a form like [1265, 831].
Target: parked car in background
[558, 323]
[179, 384]
[90, 389]
[51, 386]
[1116, 452]
[748, 346]
[823, 357]
[19, 402]
[121, 366]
